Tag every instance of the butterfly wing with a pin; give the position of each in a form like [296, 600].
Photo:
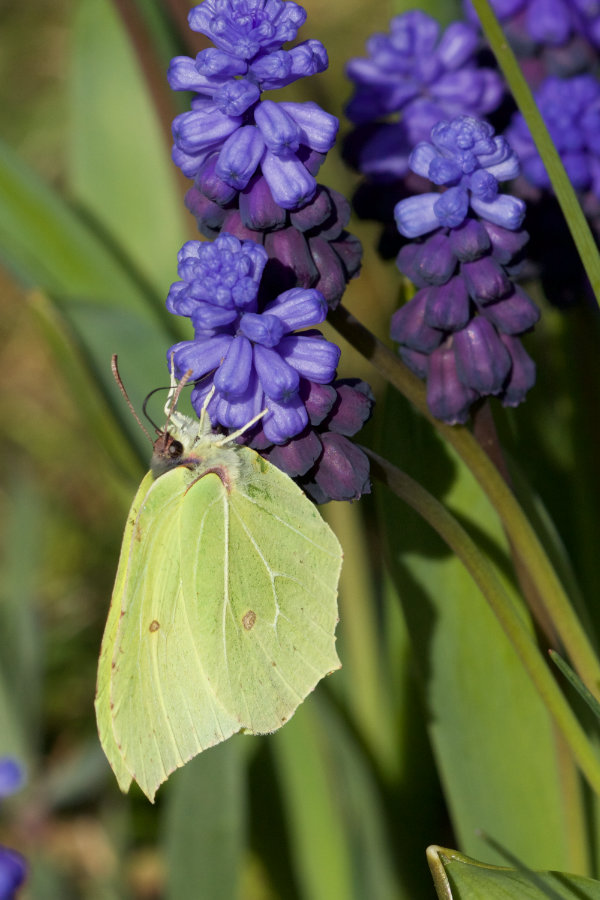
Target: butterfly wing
[268, 599]
[163, 708]
[222, 618]
[102, 701]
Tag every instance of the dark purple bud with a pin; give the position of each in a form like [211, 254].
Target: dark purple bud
[339, 218]
[343, 470]
[318, 400]
[447, 398]
[314, 213]
[258, 210]
[408, 263]
[209, 215]
[469, 241]
[349, 250]
[505, 243]
[353, 408]
[416, 362]
[332, 278]
[290, 263]
[482, 360]
[408, 326]
[312, 160]
[211, 185]
[486, 281]
[437, 262]
[513, 315]
[298, 455]
[448, 305]
[522, 373]
[232, 223]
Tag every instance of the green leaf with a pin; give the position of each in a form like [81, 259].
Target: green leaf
[458, 877]
[321, 853]
[120, 167]
[204, 825]
[492, 737]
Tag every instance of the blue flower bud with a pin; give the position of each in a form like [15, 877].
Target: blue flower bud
[280, 132]
[240, 156]
[235, 97]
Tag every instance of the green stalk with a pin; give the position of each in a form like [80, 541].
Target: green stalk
[514, 520]
[485, 577]
[563, 188]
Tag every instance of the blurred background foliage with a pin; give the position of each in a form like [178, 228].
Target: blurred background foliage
[416, 741]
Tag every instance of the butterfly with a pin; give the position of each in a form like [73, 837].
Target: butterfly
[224, 609]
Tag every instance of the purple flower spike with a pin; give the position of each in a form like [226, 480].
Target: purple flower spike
[571, 110]
[452, 331]
[243, 28]
[251, 136]
[466, 158]
[413, 63]
[561, 28]
[252, 357]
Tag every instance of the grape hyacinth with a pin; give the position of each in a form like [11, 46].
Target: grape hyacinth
[246, 348]
[249, 352]
[422, 75]
[567, 25]
[308, 247]
[231, 134]
[466, 158]
[281, 254]
[461, 330]
[13, 868]
[322, 459]
[571, 110]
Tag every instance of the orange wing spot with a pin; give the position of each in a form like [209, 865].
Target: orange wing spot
[154, 625]
[249, 619]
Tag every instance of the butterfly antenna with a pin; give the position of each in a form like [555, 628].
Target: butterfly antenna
[175, 393]
[117, 377]
[203, 411]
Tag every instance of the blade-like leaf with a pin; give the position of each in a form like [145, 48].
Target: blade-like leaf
[458, 877]
[120, 168]
[492, 737]
[204, 825]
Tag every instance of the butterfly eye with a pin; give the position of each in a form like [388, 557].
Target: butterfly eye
[175, 449]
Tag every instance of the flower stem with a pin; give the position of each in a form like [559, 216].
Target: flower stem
[485, 577]
[563, 188]
[517, 526]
